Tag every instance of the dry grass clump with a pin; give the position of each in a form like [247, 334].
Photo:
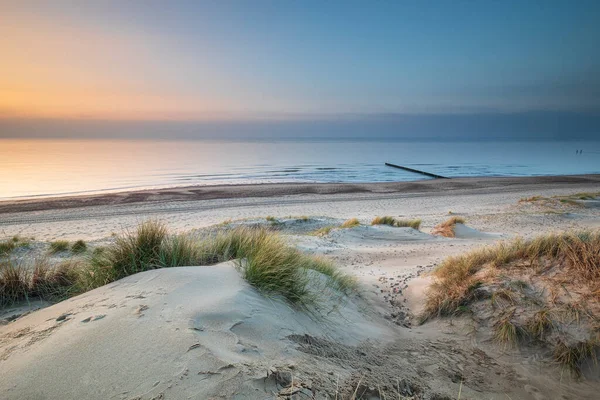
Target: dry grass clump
[446, 228]
[578, 251]
[397, 223]
[59, 245]
[573, 356]
[567, 263]
[350, 223]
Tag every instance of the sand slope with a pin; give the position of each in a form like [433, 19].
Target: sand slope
[186, 332]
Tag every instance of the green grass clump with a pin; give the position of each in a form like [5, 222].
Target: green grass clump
[133, 252]
[8, 245]
[178, 251]
[270, 264]
[79, 247]
[270, 218]
[58, 246]
[351, 223]
[398, 223]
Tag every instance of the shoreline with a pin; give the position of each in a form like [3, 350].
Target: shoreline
[425, 187]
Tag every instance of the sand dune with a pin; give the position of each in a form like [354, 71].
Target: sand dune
[195, 331]
[203, 332]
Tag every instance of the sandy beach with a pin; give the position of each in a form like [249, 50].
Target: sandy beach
[206, 333]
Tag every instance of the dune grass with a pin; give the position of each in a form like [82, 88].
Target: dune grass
[446, 228]
[455, 277]
[79, 247]
[59, 245]
[350, 223]
[41, 280]
[569, 261]
[265, 260]
[14, 284]
[397, 223]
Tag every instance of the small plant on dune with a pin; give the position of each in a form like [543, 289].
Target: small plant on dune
[506, 331]
[503, 298]
[446, 228]
[303, 218]
[271, 218]
[540, 324]
[59, 245]
[350, 223]
[79, 247]
[572, 357]
[398, 223]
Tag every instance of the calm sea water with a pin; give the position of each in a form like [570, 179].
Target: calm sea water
[50, 167]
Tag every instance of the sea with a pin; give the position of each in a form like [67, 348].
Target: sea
[52, 167]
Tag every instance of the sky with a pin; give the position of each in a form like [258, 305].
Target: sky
[309, 67]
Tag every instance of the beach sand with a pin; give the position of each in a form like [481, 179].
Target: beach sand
[205, 333]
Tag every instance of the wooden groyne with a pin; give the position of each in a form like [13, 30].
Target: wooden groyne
[417, 171]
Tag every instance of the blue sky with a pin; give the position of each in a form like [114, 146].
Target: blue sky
[308, 60]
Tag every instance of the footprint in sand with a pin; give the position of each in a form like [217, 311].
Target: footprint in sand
[93, 318]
